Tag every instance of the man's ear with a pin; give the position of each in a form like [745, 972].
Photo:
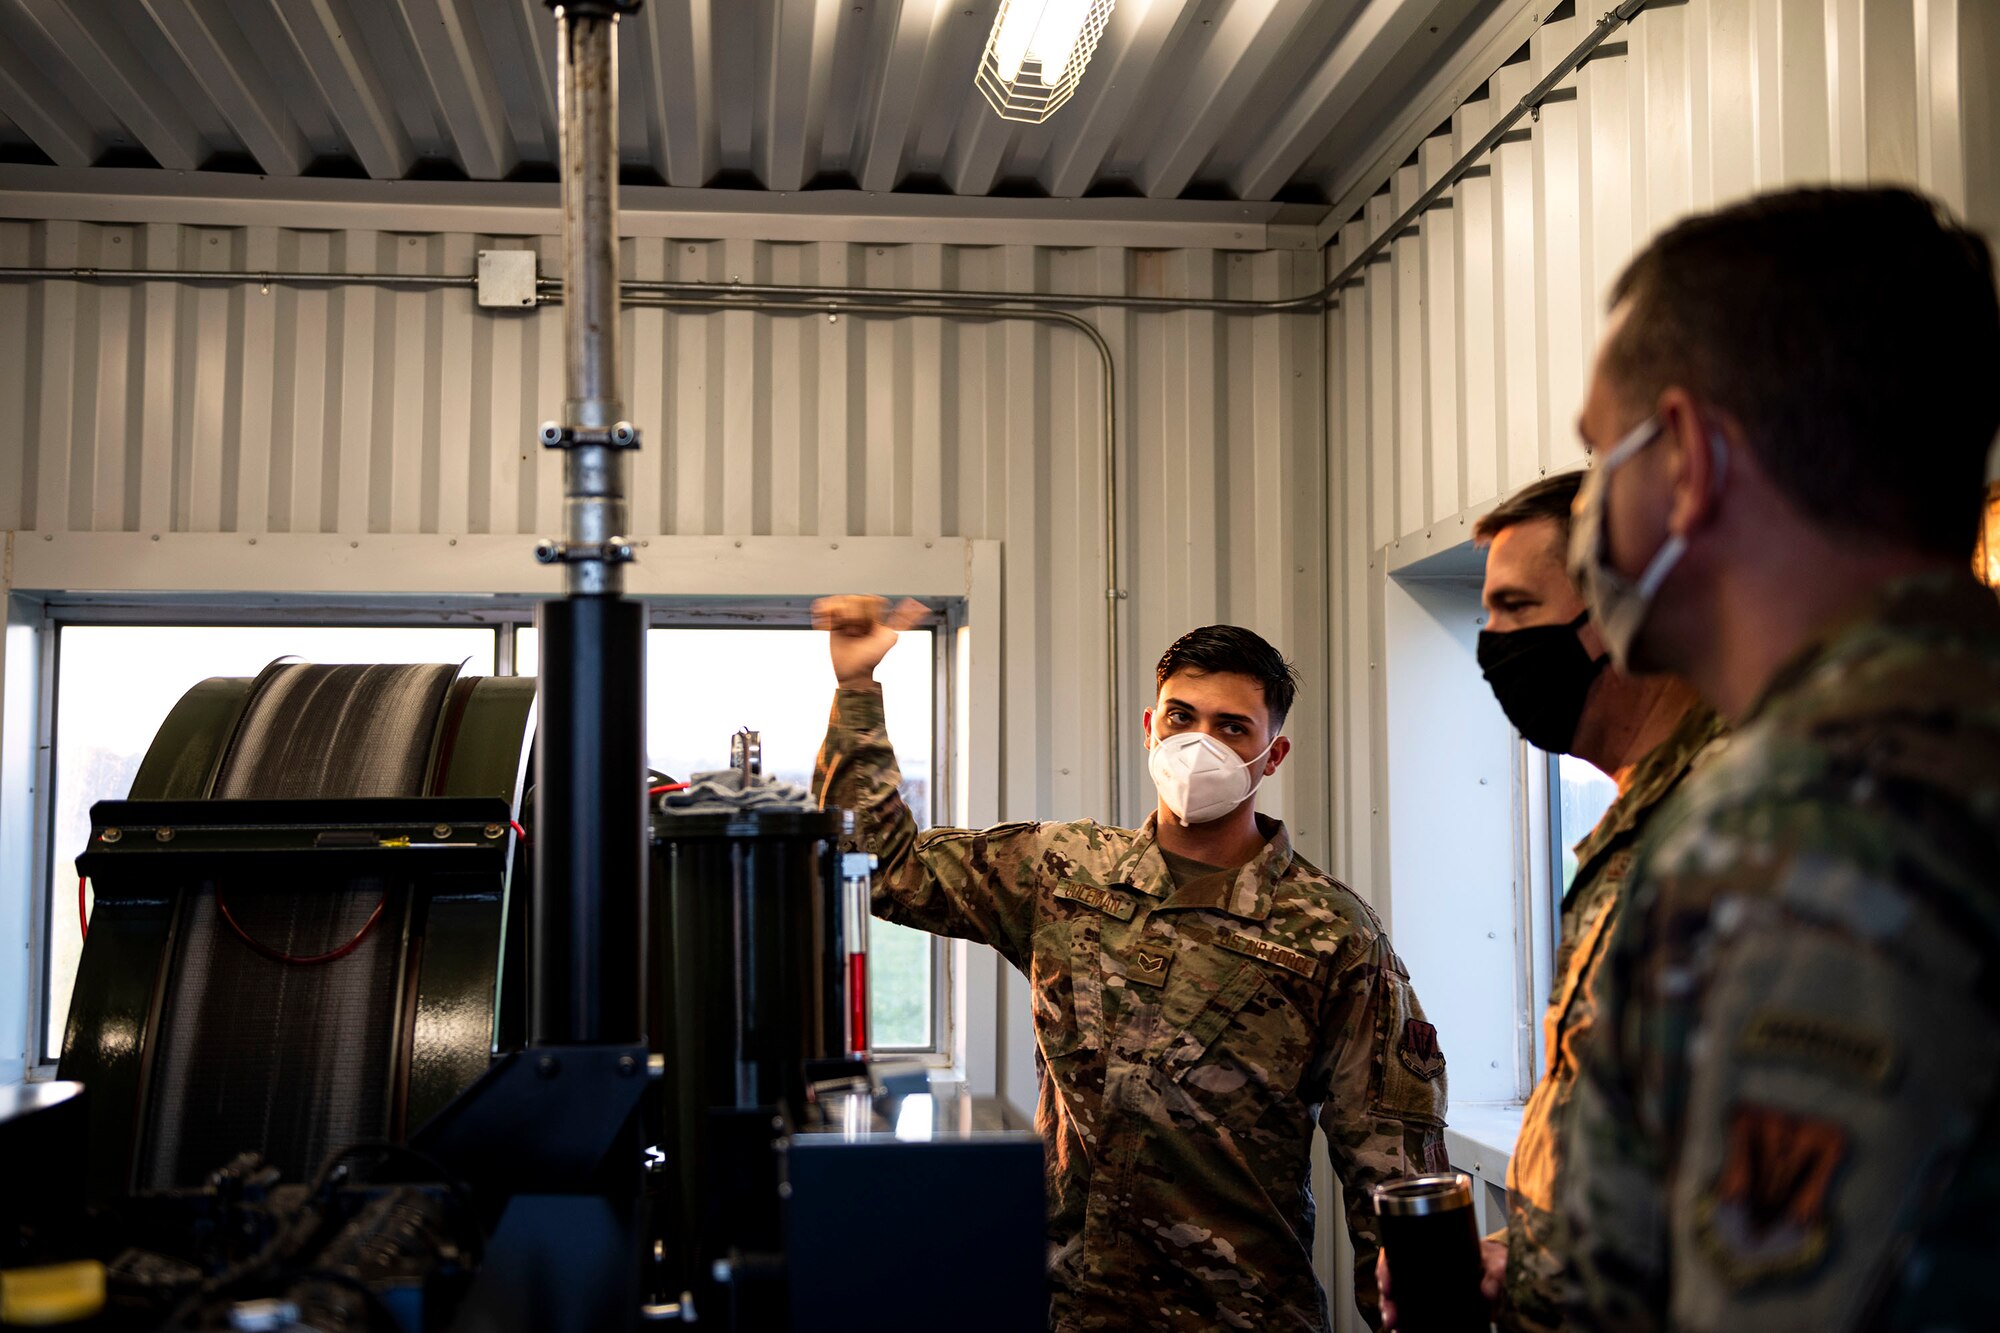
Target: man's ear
[1146, 720]
[1696, 466]
[1279, 749]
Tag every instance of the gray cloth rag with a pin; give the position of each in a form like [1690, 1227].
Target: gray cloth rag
[723, 792]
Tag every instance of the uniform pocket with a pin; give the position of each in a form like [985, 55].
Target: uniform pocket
[1064, 988]
[1253, 1041]
[1229, 985]
[1412, 1083]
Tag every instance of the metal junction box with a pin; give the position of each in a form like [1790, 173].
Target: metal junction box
[507, 278]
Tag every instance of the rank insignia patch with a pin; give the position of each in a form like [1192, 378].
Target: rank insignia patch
[1766, 1214]
[1150, 963]
[1418, 1050]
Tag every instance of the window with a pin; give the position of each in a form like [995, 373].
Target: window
[1478, 833]
[114, 683]
[702, 685]
[1579, 796]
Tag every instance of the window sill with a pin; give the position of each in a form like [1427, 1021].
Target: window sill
[1480, 1138]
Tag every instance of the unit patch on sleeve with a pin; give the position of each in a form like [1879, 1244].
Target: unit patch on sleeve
[1766, 1214]
[1418, 1050]
[1105, 901]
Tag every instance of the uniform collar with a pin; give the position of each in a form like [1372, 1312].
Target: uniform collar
[1653, 778]
[1246, 892]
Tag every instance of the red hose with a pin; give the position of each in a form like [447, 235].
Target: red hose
[82, 918]
[277, 956]
[666, 786]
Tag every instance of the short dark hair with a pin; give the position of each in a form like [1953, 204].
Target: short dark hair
[1551, 498]
[1232, 648]
[1854, 334]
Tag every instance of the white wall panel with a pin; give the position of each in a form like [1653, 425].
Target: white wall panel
[357, 410]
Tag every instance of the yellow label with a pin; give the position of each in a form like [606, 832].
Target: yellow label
[55, 1294]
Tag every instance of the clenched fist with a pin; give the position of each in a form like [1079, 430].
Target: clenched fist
[861, 630]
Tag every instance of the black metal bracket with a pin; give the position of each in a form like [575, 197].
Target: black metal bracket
[617, 551]
[622, 435]
[546, 1120]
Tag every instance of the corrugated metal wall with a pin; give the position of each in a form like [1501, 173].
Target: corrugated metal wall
[1456, 364]
[193, 407]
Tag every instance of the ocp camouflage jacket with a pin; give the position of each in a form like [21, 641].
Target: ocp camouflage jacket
[1537, 1248]
[1188, 1038]
[1789, 1117]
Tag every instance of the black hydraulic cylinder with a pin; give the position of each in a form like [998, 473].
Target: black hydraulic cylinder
[590, 824]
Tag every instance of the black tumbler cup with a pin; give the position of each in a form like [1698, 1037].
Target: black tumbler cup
[1432, 1244]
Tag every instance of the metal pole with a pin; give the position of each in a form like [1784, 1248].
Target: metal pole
[590, 797]
[594, 480]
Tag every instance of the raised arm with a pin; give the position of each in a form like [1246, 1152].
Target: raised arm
[976, 884]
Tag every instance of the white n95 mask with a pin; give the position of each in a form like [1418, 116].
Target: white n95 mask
[1200, 778]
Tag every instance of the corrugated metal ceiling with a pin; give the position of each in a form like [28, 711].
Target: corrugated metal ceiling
[1228, 99]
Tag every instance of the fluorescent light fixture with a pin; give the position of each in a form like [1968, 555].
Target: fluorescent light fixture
[1037, 53]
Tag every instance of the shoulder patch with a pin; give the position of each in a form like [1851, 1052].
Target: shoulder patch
[1857, 1055]
[1765, 1216]
[1291, 960]
[1419, 1050]
[1104, 900]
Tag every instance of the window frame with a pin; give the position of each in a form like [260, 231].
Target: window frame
[504, 617]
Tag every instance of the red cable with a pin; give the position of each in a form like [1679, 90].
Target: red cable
[278, 957]
[666, 786]
[82, 918]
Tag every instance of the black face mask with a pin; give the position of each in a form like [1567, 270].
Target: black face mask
[1541, 676]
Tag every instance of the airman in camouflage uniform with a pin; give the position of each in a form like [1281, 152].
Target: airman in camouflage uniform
[1792, 1122]
[1547, 666]
[1537, 1249]
[1190, 1031]
[1789, 1117]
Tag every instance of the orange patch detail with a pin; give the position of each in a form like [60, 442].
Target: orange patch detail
[1779, 1166]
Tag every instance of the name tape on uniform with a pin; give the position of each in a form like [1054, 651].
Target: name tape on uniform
[1105, 901]
[1853, 1053]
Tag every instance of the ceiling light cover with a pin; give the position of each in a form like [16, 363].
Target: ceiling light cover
[1037, 53]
